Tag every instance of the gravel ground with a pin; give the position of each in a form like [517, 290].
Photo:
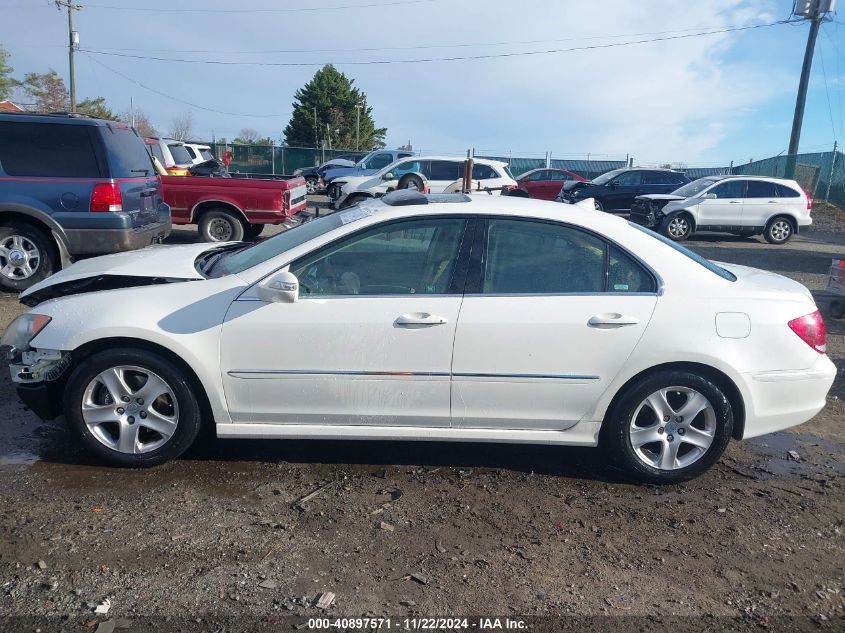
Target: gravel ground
[404, 529]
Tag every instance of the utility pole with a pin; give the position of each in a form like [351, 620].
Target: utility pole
[73, 43]
[813, 11]
[357, 124]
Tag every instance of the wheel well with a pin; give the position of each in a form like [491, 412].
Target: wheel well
[81, 353]
[719, 378]
[215, 205]
[7, 217]
[785, 216]
[686, 213]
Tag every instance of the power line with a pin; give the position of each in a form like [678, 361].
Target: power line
[827, 93]
[264, 10]
[446, 59]
[172, 98]
[403, 48]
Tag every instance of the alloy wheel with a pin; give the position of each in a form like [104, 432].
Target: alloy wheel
[311, 186]
[130, 409]
[678, 227]
[780, 230]
[19, 257]
[672, 428]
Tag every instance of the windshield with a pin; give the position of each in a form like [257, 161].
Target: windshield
[260, 252]
[692, 188]
[600, 180]
[713, 268]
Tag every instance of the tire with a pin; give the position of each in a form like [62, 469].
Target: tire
[779, 230]
[354, 199]
[252, 231]
[103, 429]
[27, 256]
[598, 204]
[312, 185]
[332, 191]
[677, 227]
[221, 225]
[638, 441]
[837, 309]
[411, 181]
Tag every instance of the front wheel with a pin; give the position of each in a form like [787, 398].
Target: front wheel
[220, 225]
[311, 185]
[411, 181]
[778, 231]
[677, 227]
[132, 407]
[598, 205]
[668, 427]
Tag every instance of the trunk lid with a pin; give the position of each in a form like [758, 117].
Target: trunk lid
[768, 283]
[131, 167]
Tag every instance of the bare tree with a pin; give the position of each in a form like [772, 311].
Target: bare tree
[182, 126]
[143, 125]
[247, 136]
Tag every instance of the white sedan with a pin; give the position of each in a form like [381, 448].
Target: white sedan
[426, 318]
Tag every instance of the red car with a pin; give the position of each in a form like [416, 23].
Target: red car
[544, 183]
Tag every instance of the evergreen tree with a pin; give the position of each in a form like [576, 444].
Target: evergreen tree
[331, 93]
[96, 107]
[7, 82]
[47, 91]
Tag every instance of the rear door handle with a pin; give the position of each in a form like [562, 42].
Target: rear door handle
[421, 318]
[611, 320]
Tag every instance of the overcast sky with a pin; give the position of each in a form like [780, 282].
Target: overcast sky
[700, 100]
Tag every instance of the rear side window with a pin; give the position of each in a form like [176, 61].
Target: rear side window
[128, 156]
[760, 189]
[657, 178]
[445, 170]
[786, 192]
[180, 154]
[48, 150]
[528, 257]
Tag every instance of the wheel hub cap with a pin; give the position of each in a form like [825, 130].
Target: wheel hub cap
[19, 257]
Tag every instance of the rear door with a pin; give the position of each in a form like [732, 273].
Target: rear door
[443, 173]
[761, 203]
[550, 314]
[132, 169]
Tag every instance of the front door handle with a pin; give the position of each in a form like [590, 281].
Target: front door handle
[420, 318]
[611, 320]
[734, 201]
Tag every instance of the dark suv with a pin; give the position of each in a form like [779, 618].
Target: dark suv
[72, 185]
[615, 190]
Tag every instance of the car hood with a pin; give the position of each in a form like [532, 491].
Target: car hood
[570, 185]
[334, 174]
[152, 265]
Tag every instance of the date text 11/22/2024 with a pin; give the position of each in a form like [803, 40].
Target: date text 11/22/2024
[418, 624]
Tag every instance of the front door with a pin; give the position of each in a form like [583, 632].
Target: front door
[621, 191]
[547, 322]
[725, 210]
[368, 342]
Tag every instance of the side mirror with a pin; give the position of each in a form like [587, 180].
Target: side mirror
[281, 287]
[387, 176]
[613, 185]
[709, 196]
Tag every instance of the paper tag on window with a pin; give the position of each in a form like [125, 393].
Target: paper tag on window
[355, 213]
[620, 286]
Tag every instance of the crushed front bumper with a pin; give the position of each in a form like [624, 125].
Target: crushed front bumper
[39, 377]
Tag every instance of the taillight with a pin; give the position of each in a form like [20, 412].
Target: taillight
[809, 200]
[106, 197]
[812, 331]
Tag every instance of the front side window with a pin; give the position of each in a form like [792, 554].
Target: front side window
[628, 179]
[48, 150]
[379, 161]
[529, 257]
[693, 188]
[402, 258]
[538, 176]
[729, 189]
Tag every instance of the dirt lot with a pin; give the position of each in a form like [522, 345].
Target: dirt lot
[402, 529]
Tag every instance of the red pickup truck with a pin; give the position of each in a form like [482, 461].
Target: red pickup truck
[232, 209]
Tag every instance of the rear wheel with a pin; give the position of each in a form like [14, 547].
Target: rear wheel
[778, 230]
[132, 407]
[677, 227]
[26, 256]
[668, 427]
[221, 225]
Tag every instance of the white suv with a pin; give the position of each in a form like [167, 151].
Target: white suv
[437, 174]
[747, 205]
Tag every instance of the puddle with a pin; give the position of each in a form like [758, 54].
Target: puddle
[816, 456]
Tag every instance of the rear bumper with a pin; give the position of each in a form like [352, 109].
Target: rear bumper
[104, 241]
[781, 399]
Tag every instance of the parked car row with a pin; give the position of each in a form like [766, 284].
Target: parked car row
[314, 175]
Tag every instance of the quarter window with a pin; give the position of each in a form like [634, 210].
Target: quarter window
[402, 258]
[527, 257]
[47, 150]
[786, 192]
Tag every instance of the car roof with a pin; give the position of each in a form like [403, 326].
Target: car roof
[56, 117]
[747, 177]
[456, 159]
